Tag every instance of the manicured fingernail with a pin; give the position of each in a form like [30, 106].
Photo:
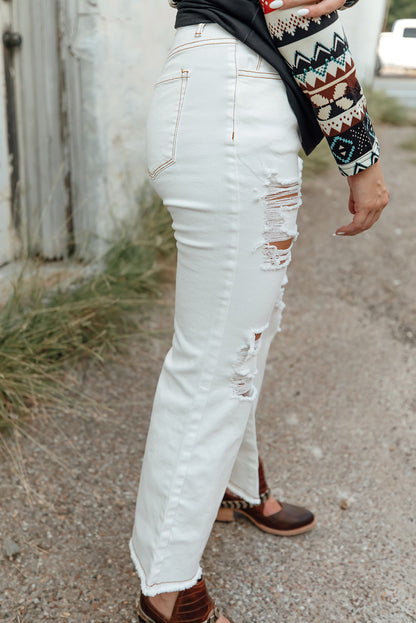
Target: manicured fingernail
[276, 4]
[341, 233]
[303, 12]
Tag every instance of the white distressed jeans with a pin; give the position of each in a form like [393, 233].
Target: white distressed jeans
[223, 155]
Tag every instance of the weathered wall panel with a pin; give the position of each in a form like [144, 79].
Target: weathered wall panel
[5, 190]
[42, 161]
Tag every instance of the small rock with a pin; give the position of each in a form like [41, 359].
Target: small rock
[11, 548]
[317, 452]
[292, 419]
[344, 504]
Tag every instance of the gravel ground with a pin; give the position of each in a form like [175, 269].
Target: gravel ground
[337, 430]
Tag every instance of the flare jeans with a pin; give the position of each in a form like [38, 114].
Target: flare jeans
[223, 155]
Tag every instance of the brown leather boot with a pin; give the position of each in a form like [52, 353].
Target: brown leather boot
[193, 605]
[290, 520]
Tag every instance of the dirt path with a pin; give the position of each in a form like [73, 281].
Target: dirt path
[337, 429]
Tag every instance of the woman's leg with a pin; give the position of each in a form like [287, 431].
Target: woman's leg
[244, 469]
[233, 193]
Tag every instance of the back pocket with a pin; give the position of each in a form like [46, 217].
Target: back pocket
[163, 121]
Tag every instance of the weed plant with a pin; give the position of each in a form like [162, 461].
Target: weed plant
[42, 332]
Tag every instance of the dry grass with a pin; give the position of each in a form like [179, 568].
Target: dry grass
[410, 143]
[318, 162]
[386, 109]
[43, 332]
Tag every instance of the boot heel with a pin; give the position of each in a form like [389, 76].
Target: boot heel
[225, 514]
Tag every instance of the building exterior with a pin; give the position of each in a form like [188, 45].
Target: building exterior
[363, 24]
[80, 88]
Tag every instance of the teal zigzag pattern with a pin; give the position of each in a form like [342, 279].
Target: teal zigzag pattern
[321, 63]
[322, 59]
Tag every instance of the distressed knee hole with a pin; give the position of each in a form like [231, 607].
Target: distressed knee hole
[283, 247]
[245, 370]
[280, 230]
[278, 311]
[283, 244]
[246, 389]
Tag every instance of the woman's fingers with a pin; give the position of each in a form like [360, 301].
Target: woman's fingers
[370, 220]
[357, 226]
[308, 8]
[322, 8]
[363, 219]
[368, 198]
[351, 205]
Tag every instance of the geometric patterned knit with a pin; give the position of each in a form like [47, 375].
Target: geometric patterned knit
[317, 52]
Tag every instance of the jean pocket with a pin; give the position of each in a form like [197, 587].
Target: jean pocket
[164, 120]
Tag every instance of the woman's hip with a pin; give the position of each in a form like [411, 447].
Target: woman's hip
[215, 105]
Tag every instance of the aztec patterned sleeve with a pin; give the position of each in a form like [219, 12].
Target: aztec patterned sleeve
[317, 52]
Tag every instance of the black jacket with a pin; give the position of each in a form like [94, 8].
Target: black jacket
[244, 19]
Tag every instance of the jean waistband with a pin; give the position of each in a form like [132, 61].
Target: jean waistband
[188, 37]
[202, 31]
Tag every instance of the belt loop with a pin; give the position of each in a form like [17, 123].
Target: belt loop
[199, 29]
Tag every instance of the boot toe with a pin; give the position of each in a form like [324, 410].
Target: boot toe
[292, 516]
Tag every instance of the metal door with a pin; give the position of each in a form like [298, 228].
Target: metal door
[41, 206]
[5, 179]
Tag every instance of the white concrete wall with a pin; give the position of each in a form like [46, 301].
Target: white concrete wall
[113, 53]
[363, 24]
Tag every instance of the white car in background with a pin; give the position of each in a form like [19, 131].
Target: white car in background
[397, 49]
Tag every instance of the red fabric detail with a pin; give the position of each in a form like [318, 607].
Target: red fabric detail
[265, 6]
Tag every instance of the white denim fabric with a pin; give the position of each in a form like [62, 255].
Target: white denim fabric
[223, 154]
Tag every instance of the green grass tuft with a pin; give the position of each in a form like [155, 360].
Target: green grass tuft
[386, 109]
[409, 144]
[318, 162]
[42, 332]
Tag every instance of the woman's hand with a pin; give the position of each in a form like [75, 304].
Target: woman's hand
[368, 198]
[308, 8]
